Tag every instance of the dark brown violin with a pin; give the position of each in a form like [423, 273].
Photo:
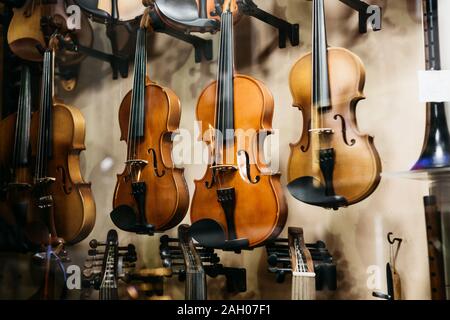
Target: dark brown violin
[333, 164]
[62, 198]
[239, 201]
[15, 162]
[151, 192]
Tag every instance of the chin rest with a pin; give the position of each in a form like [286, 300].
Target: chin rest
[125, 218]
[91, 6]
[210, 234]
[184, 12]
[311, 191]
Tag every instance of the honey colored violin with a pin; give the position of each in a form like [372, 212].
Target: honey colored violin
[151, 194]
[333, 164]
[239, 201]
[63, 199]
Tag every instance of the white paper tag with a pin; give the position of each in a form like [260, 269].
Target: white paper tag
[434, 86]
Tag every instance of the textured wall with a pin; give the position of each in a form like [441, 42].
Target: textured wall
[392, 113]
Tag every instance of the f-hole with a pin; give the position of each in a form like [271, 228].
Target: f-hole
[66, 185]
[344, 130]
[152, 152]
[305, 148]
[247, 168]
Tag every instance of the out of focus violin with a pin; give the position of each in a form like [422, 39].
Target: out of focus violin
[62, 198]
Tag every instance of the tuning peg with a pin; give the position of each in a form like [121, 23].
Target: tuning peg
[129, 265]
[91, 283]
[281, 276]
[274, 259]
[130, 248]
[277, 270]
[94, 252]
[94, 243]
[90, 272]
[213, 259]
[165, 238]
[90, 264]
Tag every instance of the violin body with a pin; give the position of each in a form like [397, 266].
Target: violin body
[25, 31]
[357, 165]
[167, 196]
[260, 208]
[74, 207]
[7, 129]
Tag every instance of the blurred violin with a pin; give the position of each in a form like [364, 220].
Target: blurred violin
[62, 198]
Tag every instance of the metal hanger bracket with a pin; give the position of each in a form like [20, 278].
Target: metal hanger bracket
[366, 12]
[286, 30]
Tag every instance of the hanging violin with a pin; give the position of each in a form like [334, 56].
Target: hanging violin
[28, 30]
[62, 197]
[239, 202]
[333, 164]
[15, 159]
[151, 194]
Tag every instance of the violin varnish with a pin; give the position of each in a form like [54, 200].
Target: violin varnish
[435, 254]
[303, 286]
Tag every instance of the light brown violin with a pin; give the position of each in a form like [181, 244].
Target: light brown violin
[25, 32]
[61, 195]
[239, 202]
[333, 165]
[151, 194]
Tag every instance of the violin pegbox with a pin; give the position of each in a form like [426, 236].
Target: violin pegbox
[108, 262]
[280, 258]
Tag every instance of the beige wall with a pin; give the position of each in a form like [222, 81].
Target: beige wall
[392, 113]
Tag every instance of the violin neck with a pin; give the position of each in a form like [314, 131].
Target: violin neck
[137, 112]
[45, 116]
[321, 85]
[22, 133]
[196, 285]
[225, 83]
[303, 286]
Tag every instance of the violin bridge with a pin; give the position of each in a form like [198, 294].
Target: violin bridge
[321, 131]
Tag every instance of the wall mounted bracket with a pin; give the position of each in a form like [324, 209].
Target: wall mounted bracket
[366, 12]
[286, 30]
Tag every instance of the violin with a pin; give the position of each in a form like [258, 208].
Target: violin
[32, 25]
[190, 15]
[333, 164]
[15, 161]
[151, 193]
[239, 201]
[62, 198]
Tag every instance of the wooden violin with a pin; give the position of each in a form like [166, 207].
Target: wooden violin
[190, 15]
[16, 205]
[63, 199]
[333, 164]
[238, 198]
[36, 21]
[151, 193]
